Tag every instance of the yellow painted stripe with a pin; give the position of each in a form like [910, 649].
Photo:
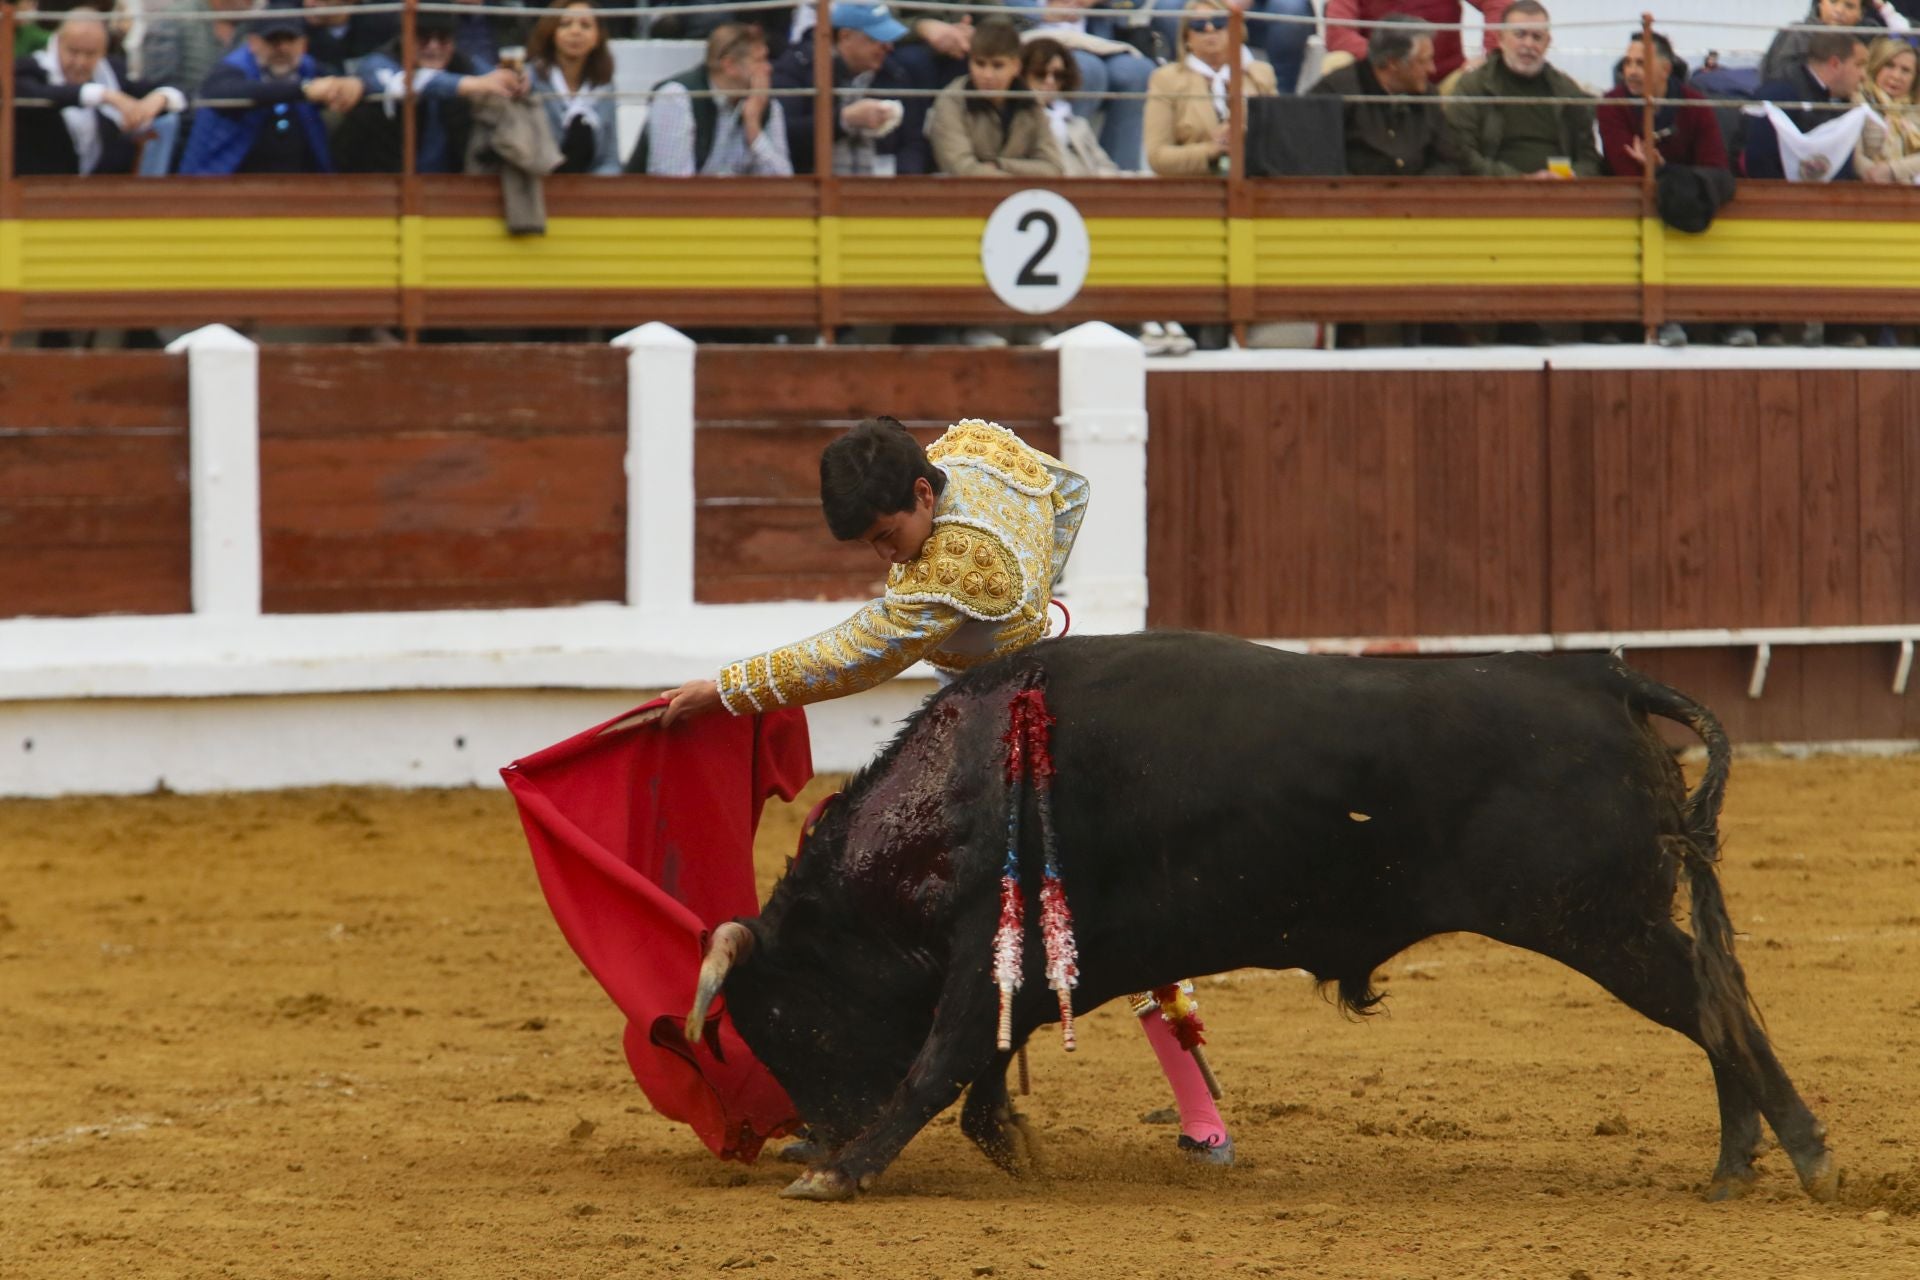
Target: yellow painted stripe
[413, 251]
[828, 252]
[623, 253]
[1653, 246]
[945, 252]
[80, 255]
[1317, 252]
[10, 262]
[1853, 255]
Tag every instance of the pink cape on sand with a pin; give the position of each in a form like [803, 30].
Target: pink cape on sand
[643, 840]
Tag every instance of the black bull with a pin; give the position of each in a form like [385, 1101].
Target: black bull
[1221, 806]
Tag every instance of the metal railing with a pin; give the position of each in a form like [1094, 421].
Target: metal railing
[825, 183]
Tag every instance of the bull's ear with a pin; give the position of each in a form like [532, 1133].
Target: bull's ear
[732, 944]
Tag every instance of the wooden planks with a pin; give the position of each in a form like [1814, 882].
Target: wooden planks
[441, 477]
[93, 484]
[765, 413]
[1342, 503]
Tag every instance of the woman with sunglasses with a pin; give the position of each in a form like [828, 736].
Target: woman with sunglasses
[1050, 71]
[1187, 103]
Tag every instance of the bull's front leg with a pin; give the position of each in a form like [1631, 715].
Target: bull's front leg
[958, 1050]
[990, 1122]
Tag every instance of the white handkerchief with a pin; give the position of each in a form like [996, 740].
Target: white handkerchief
[1834, 140]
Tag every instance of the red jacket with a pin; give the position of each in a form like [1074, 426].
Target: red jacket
[1447, 56]
[1688, 135]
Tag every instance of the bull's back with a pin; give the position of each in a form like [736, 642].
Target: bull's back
[1209, 770]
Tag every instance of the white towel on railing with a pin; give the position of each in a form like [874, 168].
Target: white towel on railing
[1834, 140]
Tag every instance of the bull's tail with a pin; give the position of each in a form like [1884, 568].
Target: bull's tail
[1702, 809]
[1725, 1002]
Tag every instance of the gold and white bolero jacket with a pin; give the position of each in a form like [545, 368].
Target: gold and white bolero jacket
[1002, 530]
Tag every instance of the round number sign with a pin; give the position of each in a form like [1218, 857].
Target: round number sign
[1035, 251]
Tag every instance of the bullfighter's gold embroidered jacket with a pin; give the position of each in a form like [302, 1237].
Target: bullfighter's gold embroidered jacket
[1002, 530]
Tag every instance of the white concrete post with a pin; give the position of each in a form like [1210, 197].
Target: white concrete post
[223, 414]
[659, 468]
[1103, 436]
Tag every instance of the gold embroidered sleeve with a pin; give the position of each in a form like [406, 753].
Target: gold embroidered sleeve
[876, 644]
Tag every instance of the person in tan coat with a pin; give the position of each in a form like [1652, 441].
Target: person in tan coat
[1002, 132]
[1187, 99]
[1890, 154]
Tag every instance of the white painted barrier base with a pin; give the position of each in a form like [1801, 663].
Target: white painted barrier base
[428, 738]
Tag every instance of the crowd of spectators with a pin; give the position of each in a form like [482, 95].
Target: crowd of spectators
[1045, 89]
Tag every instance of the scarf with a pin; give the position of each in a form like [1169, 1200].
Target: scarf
[81, 124]
[1219, 81]
[579, 106]
[1901, 116]
[1059, 115]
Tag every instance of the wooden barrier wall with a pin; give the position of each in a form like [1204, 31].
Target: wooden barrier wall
[761, 417]
[1286, 504]
[1281, 503]
[441, 478]
[93, 484]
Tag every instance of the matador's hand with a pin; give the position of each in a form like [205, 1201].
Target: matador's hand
[694, 698]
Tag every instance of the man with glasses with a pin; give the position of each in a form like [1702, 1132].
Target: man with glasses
[275, 127]
[1530, 138]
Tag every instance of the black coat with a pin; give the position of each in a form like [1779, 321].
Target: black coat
[1388, 139]
[907, 144]
[42, 144]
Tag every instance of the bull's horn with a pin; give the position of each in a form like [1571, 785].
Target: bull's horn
[732, 942]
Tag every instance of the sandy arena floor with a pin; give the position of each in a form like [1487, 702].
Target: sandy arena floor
[336, 1033]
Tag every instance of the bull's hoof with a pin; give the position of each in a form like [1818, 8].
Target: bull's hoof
[805, 1151]
[820, 1184]
[1820, 1178]
[1730, 1186]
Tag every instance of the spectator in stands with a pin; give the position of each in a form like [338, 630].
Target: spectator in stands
[281, 131]
[872, 133]
[1832, 71]
[1187, 104]
[98, 115]
[1393, 139]
[370, 139]
[1788, 52]
[934, 50]
[1349, 44]
[1108, 66]
[1683, 135]
[182, 53]
[1891, 154]
[335, 39]
[478, 37]
[718, 120]
[1001, 131]
[1283, 43]
[572, 66]
[1050, 71]
[1501, 140]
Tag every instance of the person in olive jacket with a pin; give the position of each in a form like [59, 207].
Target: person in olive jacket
[1517, 140]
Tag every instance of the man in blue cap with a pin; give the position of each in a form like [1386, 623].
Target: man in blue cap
[280, 130]
[873, 133]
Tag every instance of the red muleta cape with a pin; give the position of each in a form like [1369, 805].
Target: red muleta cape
[643, 840]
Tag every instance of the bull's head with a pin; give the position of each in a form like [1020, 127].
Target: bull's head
[833, 1005]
